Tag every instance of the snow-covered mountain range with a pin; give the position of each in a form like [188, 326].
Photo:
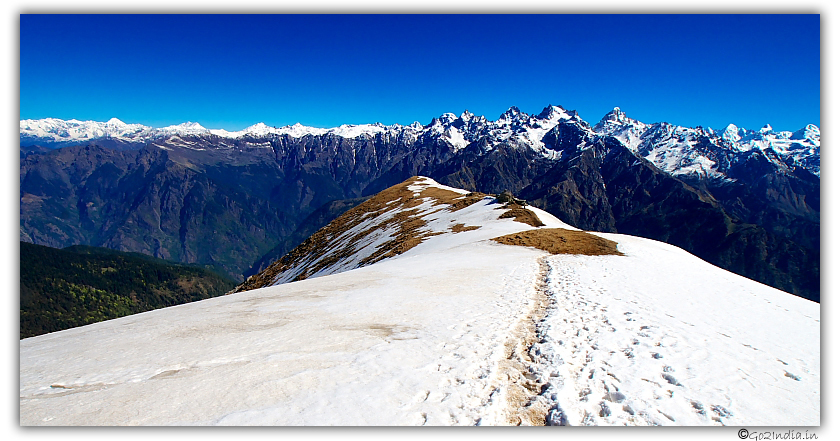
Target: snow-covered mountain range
[682, 150]
[431, 305]
[674, 149]
[746, 201]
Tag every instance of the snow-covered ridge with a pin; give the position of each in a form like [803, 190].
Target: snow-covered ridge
[417, 213]
[458, 330]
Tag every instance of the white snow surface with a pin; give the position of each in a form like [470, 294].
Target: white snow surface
[656, 336]
[660, 337]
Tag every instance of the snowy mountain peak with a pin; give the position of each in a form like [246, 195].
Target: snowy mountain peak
[732, 133]
[444, 119]
[766, 129]
[260, 126]
[616, 123]
[616, 114]
[511, 114]
[186, 128]
[553, 112]
[809, 132]
[615, 117]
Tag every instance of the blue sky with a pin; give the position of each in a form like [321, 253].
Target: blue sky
[229, 72]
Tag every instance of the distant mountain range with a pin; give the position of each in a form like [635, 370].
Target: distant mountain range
[655, 141]
[747, 201]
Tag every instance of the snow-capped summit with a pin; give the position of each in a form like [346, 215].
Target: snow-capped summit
[616, 123]
[431, 305]
[810, 133]
[187, 128]
[732, 133]
[552, 112]
[511, 115]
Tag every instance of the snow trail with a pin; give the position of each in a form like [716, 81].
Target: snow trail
[518, 370]
[619, 348]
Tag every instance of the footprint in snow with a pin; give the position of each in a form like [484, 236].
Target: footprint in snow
[616, 396]
[604, 411]
[698, 407]
[792, 376]
[670, 379]
[721, 411]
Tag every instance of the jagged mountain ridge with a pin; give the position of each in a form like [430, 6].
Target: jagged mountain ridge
[796, 149]
[171, 197]
[682, 150]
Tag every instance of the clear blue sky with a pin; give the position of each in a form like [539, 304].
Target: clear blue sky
[231, 71]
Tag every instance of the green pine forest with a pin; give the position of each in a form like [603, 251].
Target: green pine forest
[79, 285]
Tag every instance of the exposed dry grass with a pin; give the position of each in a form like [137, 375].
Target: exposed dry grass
[457, 228]
[521, 214]
[562, 241]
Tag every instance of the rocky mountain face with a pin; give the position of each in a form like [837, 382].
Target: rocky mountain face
[746, 201]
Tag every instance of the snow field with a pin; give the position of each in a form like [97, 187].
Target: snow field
[406, 341]
[458, 330]
[658, 337]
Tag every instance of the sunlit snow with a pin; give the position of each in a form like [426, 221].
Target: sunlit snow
[656, 336]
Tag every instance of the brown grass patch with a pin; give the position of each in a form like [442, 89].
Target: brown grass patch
[562, 241]
[457, 228]
[320, 251]
[466, 201]
[520, 214]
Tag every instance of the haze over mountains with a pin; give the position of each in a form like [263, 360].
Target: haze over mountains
[432, 305]
[745, 200]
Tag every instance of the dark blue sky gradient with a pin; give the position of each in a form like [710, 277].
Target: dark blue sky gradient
[229, 72]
